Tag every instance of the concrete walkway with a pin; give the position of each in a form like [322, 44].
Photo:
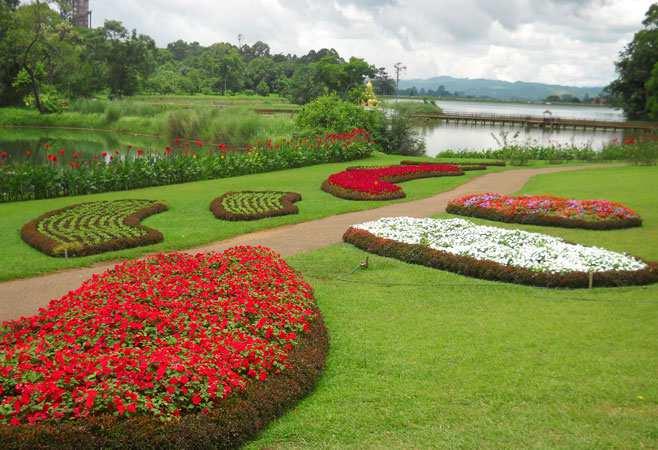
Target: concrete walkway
[24, 297]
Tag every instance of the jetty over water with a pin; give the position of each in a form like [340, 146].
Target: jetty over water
[548, 122]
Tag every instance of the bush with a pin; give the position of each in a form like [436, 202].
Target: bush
[398, 136]
[330, 114]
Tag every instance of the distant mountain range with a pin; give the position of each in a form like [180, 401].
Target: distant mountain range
[500, 90]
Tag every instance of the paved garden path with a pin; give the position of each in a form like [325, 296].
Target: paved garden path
[24, 297]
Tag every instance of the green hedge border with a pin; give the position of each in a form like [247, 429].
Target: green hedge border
[489, 270]
[31, 235]
[542, 219]
[232, 423]
[288, 200]
[348, 194]
[465, 167]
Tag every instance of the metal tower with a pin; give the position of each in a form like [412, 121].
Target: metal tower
[81, 14]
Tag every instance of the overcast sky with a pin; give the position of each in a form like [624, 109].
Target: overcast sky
[572, 42]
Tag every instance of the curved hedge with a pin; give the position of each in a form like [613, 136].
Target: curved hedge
[222, 421]
[489, 270]
[254, 205]
[466, 167]
[546, 211]
[95, 227]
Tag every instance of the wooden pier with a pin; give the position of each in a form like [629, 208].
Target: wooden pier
[547, 122]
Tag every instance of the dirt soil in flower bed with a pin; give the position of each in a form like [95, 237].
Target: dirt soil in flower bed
[255, 205]
[379, 183]
[490, 270]
[611, 215]
[91, 228]
[154, 364]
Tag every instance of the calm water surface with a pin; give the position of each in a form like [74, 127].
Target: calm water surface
[451, 136]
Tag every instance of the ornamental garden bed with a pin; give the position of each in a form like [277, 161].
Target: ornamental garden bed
[547, 210]
[378, 183]
[493, 253]
[254, 205]
[92, 228]
[172, 351]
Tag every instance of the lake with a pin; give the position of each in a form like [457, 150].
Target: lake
[441, 136]
[35, 144]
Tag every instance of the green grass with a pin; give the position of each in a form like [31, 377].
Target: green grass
[189, 221]
[422, 358]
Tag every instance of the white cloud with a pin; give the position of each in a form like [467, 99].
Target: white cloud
[554, 41]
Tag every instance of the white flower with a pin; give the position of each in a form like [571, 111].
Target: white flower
[515, 248]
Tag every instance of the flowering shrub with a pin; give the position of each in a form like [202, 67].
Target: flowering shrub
[378, 183]
[254, 205]
[546, 210]
[95, 227]
[499, 254]
[195, 337]
[180, 163]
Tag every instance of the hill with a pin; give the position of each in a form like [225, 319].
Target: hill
[500, 90]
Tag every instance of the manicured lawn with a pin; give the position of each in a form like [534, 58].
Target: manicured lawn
[423, 358]
[189, 221]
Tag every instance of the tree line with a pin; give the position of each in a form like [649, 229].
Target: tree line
[45, 60]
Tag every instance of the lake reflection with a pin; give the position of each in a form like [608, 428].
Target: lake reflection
[440, 136]
[450, 136]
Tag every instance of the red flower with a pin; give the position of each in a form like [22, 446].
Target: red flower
[52, 158]
[89, 352]
[62, 152]
[375, 180]
[4, 155]
[140, 152]
[104, 154]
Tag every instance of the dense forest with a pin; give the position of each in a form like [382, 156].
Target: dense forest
[45, 62]
[39, 47]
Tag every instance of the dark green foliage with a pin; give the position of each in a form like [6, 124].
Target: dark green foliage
[399, 136]
[227, 426]
[111, 59]
[488, 270]
[331, 114]
[92, 228]
[634, 68]
[254, 205]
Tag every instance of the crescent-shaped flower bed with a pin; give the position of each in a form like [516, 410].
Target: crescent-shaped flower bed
[493, 253]
[378, 183]
[254, 205]
[172, 351]
[547, 210]
[95, 227]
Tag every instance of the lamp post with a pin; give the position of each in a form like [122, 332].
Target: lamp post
[399, 68]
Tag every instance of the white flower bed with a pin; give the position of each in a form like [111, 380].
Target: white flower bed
[534, 251]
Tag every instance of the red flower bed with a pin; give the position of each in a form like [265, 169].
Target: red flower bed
[170, 336]
[378, 183]
[547, 210]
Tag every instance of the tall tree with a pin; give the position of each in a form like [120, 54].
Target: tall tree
[634, 68]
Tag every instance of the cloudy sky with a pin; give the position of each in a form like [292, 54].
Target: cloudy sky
[572, 42]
